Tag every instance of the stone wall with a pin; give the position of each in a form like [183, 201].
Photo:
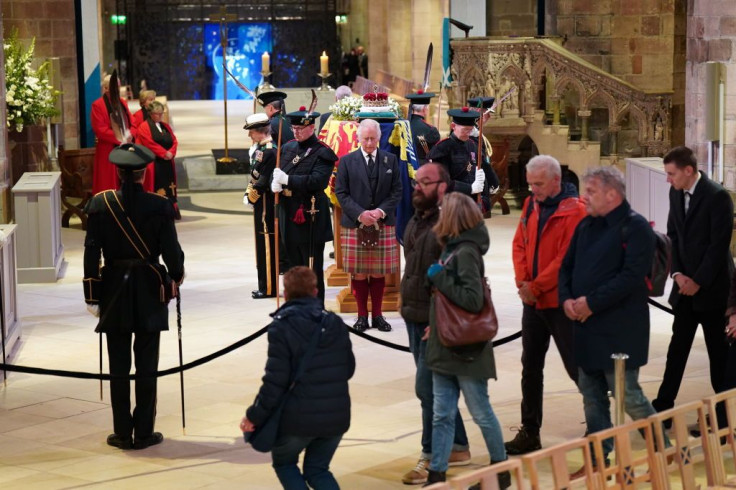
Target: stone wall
[512, 18]
[52, 23]
[711, 36]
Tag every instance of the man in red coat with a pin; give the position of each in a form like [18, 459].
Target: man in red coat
[105, 173]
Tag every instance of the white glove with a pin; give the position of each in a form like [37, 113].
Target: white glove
[480, 179]
[280, 177]
[276, 187]
[94, 310]
[246, 202]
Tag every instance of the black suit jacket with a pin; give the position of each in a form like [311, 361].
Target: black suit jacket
[353, 188]
[700, 243]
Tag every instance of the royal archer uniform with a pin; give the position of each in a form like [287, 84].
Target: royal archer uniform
[309, 165]
[263, 161]
[286, 133]
[424, 135]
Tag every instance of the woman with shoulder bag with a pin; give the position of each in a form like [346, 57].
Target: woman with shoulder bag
[305, 386]
[459, 276]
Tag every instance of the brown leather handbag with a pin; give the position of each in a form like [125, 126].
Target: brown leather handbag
[457, 327]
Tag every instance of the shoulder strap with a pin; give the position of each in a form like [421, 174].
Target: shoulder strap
[126, 226]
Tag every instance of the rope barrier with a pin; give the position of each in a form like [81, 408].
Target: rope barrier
[660, 306]
[202, 360]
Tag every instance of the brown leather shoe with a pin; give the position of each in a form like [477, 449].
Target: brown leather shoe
[418, 475]
[459, 458]
[581, 472]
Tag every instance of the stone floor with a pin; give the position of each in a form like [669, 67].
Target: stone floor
[53, 430]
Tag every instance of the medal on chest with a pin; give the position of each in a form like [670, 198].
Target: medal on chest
[471, 163]
[298, 158]
[258, 157]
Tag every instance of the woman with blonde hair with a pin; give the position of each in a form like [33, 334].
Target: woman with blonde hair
[459, 275]
[145, 97]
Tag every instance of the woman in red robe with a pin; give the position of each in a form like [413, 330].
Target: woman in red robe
[158, 136]
[145, 97]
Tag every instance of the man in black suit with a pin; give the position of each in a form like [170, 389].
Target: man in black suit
[368, 189]
[699, 224]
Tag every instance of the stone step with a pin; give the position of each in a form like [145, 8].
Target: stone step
[200, 172]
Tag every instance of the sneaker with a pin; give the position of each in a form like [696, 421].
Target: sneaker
[524, 442]
[459, 458]
[418, 474]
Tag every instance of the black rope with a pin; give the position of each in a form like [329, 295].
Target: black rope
[202, 360]
[660, 306]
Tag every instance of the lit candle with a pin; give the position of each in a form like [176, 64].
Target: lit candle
[265, 62]
[324, 62]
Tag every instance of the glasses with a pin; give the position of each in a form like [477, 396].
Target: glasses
[425, 183]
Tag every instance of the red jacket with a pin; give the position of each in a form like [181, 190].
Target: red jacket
[556, 235]
[105, 175]
[145, 138]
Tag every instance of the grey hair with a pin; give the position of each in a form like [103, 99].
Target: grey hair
[610, 177]
[548, 163]
[369, 123]
[418, 107]
[343, 91]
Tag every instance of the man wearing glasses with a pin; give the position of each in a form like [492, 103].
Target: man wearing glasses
[421, 250]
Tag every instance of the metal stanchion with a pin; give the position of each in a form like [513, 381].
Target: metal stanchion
[619, 365]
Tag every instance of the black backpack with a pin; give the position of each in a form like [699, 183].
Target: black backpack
[661, 263]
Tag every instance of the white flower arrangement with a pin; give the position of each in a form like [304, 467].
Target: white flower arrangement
[345, 109]
[28, 95]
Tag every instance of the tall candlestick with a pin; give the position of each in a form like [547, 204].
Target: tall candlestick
[324, 62]
[265, 62]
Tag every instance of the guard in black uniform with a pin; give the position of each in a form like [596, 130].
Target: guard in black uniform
[481, 105]
[459, 153]
[274, 106]
[129, 292]
[304, 211]
[424, 135]
[259, 196]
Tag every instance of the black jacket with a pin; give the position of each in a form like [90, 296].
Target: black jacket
[607, 262]
[319, 405]
[134, 304]
[421, 249]
[700, 243]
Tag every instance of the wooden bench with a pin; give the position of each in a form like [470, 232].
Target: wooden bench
[77, 167]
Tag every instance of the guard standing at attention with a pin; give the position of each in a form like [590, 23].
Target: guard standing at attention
[304, 211]
[258, 195]
[424, 135]
[131, 229]
[459, 155]
[273, 105]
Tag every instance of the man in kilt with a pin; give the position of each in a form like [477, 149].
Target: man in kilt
[368, 189]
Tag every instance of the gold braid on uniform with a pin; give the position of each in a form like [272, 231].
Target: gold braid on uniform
[253, 194]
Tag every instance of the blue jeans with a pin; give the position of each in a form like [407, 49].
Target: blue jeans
[446, 394]
[423, 390]
[594, 386]
[317, 457]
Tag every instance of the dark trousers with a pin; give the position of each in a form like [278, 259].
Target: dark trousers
[265, 248]
[537, 326]
[145, 348]
[729, 381]
[318, 453]
[423, 390]
[683, 332]
[299, 253]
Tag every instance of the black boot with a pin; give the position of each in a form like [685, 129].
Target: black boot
[434, 477]
[504, 480]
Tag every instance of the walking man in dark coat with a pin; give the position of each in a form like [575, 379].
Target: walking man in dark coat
[304, 211]
[700, 224]
[258, 195]
[127, 292]
[603, 290]
[368, 189]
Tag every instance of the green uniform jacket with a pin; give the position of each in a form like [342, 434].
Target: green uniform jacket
[461, 281]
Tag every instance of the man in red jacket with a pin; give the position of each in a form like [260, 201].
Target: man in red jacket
[548, 220]
[105, 175]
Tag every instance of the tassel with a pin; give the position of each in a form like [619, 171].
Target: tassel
[299, 216]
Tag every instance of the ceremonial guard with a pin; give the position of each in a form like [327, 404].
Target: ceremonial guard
[258, 195]
[131, 229]
[424, 135]
[274, 106]
[369, 189]
[304, 211]
[459, 155]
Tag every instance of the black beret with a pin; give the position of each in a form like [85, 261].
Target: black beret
[131, 157]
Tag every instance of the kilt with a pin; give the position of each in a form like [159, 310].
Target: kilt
[382, 259]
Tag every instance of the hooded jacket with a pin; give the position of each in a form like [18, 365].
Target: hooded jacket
[550, 245]
[319, 405]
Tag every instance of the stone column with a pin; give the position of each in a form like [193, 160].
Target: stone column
[584, 115]
[613, 140]
[555, 99]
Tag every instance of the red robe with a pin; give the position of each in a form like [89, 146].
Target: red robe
[138, 118]
[105, 174]
[145, 138]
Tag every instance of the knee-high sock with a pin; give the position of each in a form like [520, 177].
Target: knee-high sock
[377, 286]
[360, 290]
